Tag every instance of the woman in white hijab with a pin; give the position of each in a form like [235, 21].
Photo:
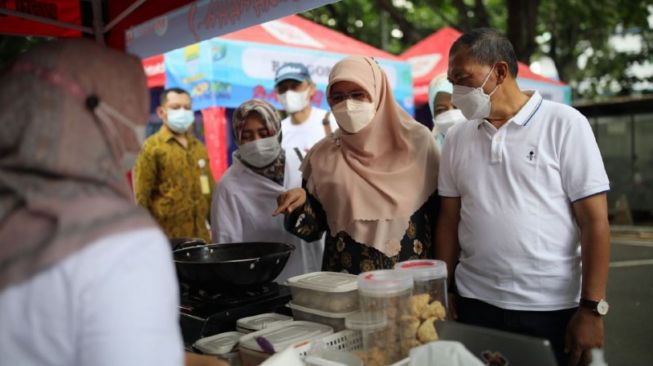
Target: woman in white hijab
[445, 114]
[246, 194]
[372, 187]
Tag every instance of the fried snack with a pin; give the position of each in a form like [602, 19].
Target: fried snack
[434, 310]
[418, 304]
[408, 344]
[426, 332]
[408, 326]
[376, 357]
[342, 304]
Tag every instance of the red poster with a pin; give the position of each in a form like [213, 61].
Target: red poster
[215, 135]
[155, 70]
[66, 11]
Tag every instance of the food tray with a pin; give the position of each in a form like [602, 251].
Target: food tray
[333, 292]
[334, 320]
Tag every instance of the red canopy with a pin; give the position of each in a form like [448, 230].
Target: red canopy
[430, 57]
[283, 32]
[66, 18]
[291, 31]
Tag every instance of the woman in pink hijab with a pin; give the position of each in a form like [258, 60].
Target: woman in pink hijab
[372, 185]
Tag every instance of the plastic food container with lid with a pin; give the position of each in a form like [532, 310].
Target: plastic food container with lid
[334, 320]
[366, 325]
[332, 292]
[430, 277]
[386, 292]
[279, 336]
[221, 345]
[261, 321]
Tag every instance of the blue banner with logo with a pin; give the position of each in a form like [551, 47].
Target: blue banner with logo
[226, 73]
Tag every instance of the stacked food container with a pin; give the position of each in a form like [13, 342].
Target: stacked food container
[261, 321]
[384, 299]
[429, 300]
[324, 297]
[222, 346]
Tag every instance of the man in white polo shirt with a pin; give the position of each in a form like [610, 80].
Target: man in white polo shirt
[523, 192]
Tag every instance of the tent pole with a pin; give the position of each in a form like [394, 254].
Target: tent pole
[124, 14]
[44, 20]
[97, 21]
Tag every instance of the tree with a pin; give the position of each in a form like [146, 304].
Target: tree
[604, 70]
[564, 30]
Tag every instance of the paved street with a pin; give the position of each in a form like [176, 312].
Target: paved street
[629, 326]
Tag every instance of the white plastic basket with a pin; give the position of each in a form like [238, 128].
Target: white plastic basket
[346, 341]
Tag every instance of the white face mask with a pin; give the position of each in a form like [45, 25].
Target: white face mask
[445, 120]
[260, 153]
[293, 101]
[353, 115]
[179, 120]
[473, 102]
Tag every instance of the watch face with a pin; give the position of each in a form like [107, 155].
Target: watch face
[603, 307]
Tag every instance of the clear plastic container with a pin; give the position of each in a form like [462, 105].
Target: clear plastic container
[429, 300]
[222, 346]
[366, 325]
[332, 292]
[386, 292]
[261, 321]
[334, 320]
[430, 278]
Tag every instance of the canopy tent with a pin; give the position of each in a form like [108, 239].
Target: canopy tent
[225, 71]
[150, 26]
[106, 21]
[430, 57]
[228, 70]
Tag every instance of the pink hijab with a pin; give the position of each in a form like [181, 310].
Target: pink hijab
[370, 183]
[61, 182]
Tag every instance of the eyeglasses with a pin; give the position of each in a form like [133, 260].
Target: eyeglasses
[355, 95]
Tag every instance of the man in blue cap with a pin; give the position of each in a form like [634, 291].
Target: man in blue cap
[305, 124]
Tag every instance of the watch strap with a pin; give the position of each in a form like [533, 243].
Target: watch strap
[589, 304]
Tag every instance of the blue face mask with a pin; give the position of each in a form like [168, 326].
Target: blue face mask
[179, 120]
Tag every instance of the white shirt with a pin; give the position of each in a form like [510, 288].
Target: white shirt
[518, 237]
[241, 211]
[306, 134]
[115, 302]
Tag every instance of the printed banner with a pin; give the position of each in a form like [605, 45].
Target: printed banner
[227, 73]
[205, 19]
[215, 137]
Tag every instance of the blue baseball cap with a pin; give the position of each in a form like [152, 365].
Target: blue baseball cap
[292, 71]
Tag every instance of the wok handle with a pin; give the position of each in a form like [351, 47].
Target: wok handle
[186, 243]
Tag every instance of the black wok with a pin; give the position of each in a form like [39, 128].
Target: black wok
[217, 267]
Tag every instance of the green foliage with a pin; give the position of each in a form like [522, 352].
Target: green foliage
[586, 36]
[565, 30]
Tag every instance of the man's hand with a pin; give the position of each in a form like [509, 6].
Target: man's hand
[584, 332]
[289, 201]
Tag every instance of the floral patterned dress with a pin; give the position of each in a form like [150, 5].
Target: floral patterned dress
[344, 254]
